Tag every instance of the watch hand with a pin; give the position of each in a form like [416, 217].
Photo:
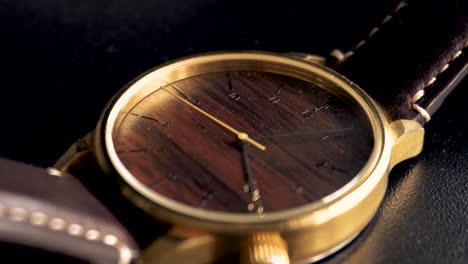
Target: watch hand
[327, 132]
[240, 135]
[246, 165]
[252, 189]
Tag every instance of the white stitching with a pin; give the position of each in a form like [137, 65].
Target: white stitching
[40, 219]
[422, 112]
[419, 94]
[57, 224]
[18, 214]
[76, 230]
[126, 254]
[342, 56]
[92, 234]
[54, 172]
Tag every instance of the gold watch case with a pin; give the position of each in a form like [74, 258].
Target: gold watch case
[299, 235]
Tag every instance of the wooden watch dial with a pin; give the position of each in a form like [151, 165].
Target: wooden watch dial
[316, 141]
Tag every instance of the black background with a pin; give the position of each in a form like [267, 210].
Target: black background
[62, 61]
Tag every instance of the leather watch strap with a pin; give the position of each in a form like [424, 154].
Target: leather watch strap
[413, 59]
[53, 212]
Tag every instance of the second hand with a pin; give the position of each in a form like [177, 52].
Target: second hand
[240, 135]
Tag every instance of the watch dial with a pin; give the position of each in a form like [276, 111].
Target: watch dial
[244, 142]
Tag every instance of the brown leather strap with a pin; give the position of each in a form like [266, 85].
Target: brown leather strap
[52, 211]
[413, 59]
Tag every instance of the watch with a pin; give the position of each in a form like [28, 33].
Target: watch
[267, 153]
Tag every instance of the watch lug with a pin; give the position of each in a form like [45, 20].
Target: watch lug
[74, 153]
[408, 136]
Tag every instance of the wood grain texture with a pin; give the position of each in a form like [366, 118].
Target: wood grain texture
[316, 141]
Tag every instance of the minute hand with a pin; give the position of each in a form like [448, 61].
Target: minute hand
[327, 132]
[240, 135]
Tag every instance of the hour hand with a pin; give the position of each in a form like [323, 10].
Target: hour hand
[243, 145]
[250, 186]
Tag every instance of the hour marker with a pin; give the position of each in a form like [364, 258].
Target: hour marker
[208, 195]
[323, 164]
[234, 96]
[323, 107]
[326, 164]
[251, 206]
[171, 176]
[299, 189]
[132, 150]
[273, 99]
[324, 137]
[150, 118]
[203, 203]
[307, 113]
[338, 169]
[165, 124]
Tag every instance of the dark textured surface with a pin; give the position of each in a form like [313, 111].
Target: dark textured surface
[62, 60]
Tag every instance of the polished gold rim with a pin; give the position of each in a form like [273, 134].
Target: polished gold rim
[318, 212]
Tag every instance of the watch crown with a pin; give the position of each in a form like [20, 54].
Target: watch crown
[266, 248]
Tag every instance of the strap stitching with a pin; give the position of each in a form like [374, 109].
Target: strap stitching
[342, 56]
[40, 219]
[420, 93]
[54, 172]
